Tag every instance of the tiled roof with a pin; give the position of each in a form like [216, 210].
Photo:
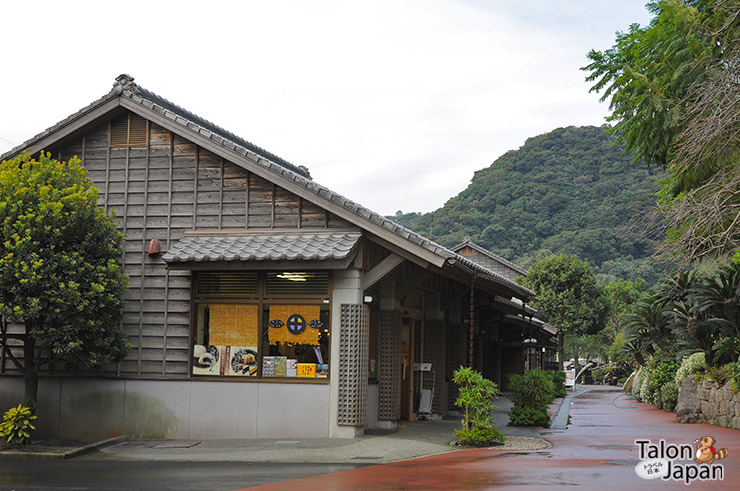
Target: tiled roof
[534, 321]
[308, 246]
[191, 123]
[469, 243]
[517, 306]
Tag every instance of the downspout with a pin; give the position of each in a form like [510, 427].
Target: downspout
[471, 330]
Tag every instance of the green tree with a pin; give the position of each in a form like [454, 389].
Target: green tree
[650, 71]
[621, 294]
[60, 277]
[567, 297]
[673, 95]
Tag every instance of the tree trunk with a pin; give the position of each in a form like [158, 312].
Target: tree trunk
[576, 354]
[561, 350]
[31, 371]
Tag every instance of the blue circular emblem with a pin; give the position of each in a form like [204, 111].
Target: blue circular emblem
[296, 324]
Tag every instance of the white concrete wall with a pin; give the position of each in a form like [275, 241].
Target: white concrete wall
[94, 408]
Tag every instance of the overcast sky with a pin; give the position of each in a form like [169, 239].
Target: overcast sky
[393, 104]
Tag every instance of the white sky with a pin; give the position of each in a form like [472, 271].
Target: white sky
[393, 104]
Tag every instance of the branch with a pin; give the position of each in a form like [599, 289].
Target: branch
[8, 351]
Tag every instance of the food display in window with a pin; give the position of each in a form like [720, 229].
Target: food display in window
[206, 359]
[243, 361]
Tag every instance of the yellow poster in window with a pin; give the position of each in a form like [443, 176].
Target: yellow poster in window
[295, 324]
[233, 324]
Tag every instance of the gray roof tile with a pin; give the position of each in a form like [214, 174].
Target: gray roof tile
[292, 246]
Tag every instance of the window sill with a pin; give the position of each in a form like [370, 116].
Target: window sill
[270, 380]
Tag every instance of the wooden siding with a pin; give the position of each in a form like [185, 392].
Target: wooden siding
[494, 265]
[161, 191]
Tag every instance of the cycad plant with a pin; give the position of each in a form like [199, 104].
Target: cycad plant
[647, 325]
[717, 297]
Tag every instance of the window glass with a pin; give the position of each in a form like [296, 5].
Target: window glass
[297, 340]
[240, 333]
[226, 340]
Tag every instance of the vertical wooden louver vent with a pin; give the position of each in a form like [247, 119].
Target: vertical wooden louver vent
[129, 130]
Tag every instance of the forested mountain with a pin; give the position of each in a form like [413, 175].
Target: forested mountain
[568, 191]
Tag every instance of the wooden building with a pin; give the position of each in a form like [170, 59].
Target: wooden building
[261, 304]
[538, 348]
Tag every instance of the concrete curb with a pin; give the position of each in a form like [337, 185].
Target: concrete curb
[20, 455]
[560, 421]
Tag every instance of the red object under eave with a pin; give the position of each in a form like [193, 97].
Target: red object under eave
[154, 247]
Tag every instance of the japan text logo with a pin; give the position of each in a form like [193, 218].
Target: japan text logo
[664, 460]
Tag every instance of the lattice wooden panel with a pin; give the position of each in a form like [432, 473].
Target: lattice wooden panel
[353, 361]
[389, 377]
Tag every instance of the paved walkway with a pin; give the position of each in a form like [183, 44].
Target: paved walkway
[597, 450]
[413, 440]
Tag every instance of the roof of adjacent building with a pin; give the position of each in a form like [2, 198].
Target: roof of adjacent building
[467, 242]
[292, 246]
[135, 98]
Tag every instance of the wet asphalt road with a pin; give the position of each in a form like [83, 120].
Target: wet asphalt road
[136, 475]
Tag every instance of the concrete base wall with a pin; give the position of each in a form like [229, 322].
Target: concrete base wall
[93, 409]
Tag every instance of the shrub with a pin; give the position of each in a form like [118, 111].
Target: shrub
[664, 373]
[669, 395]
[532, 392]
[649, 393]
[637, 383]
[528, 416]
[480, 437]
[476, 396]
[533, 389]
[733, 371]
[694, 363]
[558, 381]
[16, 426]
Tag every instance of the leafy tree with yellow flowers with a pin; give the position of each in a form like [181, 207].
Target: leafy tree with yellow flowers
[61, 282]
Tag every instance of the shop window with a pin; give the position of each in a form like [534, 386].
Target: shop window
[232, 316]
[226, 340]
[297, 340]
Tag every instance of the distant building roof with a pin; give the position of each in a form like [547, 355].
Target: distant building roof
[486, 258]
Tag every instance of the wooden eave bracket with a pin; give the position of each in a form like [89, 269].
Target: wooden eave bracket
[381, 270]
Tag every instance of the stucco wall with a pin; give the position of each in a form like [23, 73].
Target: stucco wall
[92, 409]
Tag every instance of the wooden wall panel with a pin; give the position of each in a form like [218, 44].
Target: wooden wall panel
[161, 191]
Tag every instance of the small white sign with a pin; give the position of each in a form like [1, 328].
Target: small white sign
[570, 378]
[652, 468]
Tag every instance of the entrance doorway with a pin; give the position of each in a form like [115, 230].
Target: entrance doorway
[412, 334]
[408, 358]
